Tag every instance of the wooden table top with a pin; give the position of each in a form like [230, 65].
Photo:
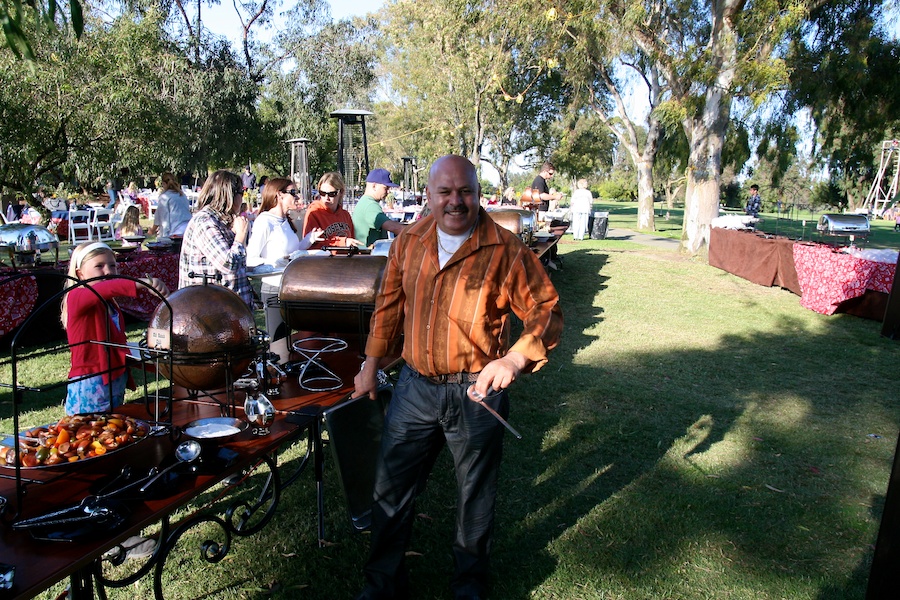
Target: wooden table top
[40, 564]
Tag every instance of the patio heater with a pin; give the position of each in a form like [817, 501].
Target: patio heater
[353, 149]
[410, 179]
[300, 166]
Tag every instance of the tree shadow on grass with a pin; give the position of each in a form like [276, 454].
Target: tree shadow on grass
[628, 495]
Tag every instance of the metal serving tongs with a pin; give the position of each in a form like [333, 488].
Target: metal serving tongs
[479, 398]
[90, 508]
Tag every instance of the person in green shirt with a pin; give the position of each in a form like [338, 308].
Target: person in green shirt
[369, 221]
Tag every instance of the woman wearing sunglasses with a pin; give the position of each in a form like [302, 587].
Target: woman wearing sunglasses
[274, 236]
[328, 214]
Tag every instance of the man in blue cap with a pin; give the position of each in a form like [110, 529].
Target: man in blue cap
[369, 221]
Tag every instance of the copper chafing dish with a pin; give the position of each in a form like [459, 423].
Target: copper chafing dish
[517, 220]
[330, 294]
[214, 336]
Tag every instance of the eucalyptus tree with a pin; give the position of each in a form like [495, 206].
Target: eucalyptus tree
[600, 59]
[529, 119]
[584, 146]
[16, 17]
[466, 76]
[845, 72]
[701, 55]
[322, 66]
[443, 58]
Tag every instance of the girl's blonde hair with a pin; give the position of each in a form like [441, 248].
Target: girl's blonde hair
[333, 179]
[82, 252]
[131, 221]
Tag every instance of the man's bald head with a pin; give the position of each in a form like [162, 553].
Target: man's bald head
[453, 193]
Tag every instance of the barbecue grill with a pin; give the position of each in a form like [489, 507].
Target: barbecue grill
[844, 225]
[330, 294]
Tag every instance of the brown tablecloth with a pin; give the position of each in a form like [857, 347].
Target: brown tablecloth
[764, 260]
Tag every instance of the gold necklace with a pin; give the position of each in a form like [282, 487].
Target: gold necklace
[437, 232]
[441, 246]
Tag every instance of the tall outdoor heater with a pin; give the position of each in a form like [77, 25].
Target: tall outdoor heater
[300, 166]
[410, 179]
[353, 148]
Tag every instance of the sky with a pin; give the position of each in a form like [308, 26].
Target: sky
[221, 19]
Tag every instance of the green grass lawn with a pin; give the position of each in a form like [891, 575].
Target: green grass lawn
[694, 437]
[624, 215]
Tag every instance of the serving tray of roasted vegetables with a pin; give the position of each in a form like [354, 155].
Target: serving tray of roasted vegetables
[73, 439]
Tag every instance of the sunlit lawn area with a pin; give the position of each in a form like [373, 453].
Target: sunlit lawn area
[695, 436]
[790, 224]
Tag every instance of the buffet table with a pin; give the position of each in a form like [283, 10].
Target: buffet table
[163, 265]
[826, 279]
[40, 564]
[829, 277]
[762, 259]
[17, 298]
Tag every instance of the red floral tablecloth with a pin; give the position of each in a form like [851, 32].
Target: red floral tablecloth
[827, 278]
[17, 298]
[161, 265]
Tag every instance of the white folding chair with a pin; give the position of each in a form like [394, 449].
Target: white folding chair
[79, 226]
[102, 224]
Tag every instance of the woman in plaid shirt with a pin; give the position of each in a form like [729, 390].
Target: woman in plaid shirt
[214, 241]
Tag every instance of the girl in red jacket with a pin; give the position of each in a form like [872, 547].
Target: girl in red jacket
[90, 316]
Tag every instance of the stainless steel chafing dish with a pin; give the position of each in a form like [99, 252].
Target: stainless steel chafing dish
[846, 225]
[517, 220]
[23, 240]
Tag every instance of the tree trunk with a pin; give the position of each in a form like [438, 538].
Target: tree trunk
[701, 204]
[706, 137]
[646, 219]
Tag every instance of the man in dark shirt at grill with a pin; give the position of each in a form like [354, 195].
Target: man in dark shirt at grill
[540, 191]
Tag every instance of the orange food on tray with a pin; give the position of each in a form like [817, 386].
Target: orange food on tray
[74, 438]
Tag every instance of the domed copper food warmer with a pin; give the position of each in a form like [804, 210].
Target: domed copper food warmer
[331, 294]
[517, 220]
[214, 336]
[328, 295]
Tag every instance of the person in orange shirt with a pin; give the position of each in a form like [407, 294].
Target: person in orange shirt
[451, 281]
[328, 214]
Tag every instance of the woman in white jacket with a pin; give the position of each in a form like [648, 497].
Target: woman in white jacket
[275, 238]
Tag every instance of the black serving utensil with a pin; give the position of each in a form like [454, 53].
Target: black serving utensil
[185, 453]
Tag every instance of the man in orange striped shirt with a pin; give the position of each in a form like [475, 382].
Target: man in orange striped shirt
[451, 281]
